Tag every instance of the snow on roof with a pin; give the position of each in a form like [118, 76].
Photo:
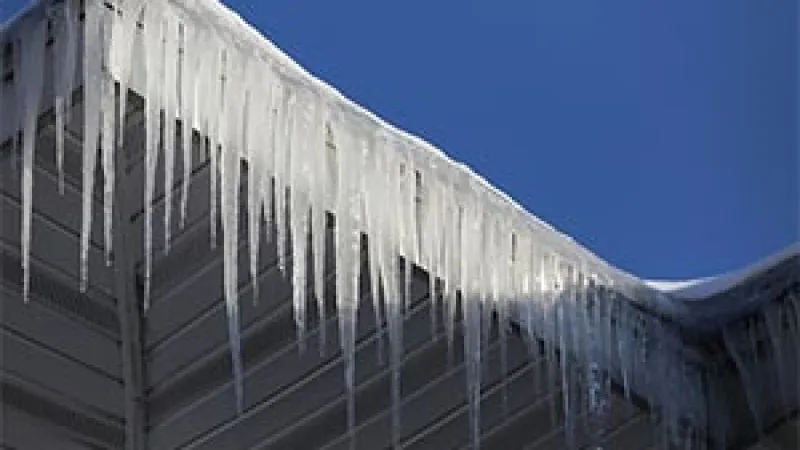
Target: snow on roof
[227, 19]
[702, 288]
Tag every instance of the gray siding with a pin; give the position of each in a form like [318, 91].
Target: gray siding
[61, 363]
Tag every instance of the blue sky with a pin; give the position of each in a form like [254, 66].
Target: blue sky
[663, 135]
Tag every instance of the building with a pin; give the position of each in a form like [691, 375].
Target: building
[119, 331]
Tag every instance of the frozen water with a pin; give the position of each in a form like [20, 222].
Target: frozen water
[309, 151]
[31, 70]
[93, 76]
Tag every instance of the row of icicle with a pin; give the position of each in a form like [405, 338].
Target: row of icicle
[308, 152]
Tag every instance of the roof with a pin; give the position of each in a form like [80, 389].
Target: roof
[703, 288]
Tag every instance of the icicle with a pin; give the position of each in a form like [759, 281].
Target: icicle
[733, 343]
[550, 324]
[348, 261]
[281, 163]
[153, 67]
[390, 278]
[107, 145]
[505, 269]
[319, 189]
[124, 24]
[453, 256]
[371, 188]
[408, 221]
[107, 116]
[32, 81]
[433, 219]
[229, 202]
[471, 304]
[624, 336]
[215, 96]
[203, 98]
[231, 138]
[92, 77]
[596, 343]
[267, 191]
[254, 173]
[563, 292]
[532, 296]
[381, 164]
[394, 320]
[170, 102]
[268, 93]
[485, 288]
[299, 210]
[64, 80]
[187, 67]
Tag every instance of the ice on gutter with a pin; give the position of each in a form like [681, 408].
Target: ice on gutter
[702, 288]
[310, 151]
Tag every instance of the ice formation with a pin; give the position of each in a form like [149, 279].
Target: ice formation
[308, 151]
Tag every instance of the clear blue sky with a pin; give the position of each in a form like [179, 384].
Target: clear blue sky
[663, 135]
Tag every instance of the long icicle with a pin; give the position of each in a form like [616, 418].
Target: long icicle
[373, 196]
[229, 176]
[153, 67]
[107, 162]
[348, 260]
[92, 76]
[281, 170]
[319, 207]
[187, 76]
[255, 168]
[215, 97]
[299, 211]
[32, 71]
[388, 252]
[231, 138]
[170, 102]
[471, 305]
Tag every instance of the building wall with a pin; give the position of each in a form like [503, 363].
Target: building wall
[60, 361]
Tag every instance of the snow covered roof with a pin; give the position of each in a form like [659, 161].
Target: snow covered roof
[310, 151]
[703, 288]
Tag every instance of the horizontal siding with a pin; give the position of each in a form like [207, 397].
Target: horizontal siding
[57, 244]
[61, 375]
[65, 335]
[22, 431]
[61, 413]
[28, 359]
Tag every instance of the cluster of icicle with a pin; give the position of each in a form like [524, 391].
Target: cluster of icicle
[310, 151]
[766, 351]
